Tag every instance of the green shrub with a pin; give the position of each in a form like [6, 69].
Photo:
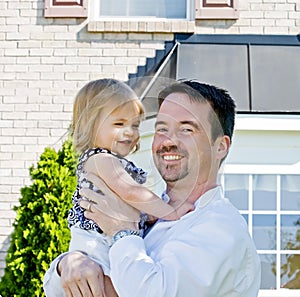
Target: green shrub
[40, 229]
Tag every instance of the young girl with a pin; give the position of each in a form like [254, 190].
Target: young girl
[106, 119]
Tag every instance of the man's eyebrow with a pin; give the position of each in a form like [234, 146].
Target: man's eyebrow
[191, 123]
[159, 123]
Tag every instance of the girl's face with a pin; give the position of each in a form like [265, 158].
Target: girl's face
[118, 129]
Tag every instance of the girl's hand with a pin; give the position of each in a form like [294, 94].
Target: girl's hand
[108, 211]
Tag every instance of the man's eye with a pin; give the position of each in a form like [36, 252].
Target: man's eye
[161, 129]
[187, 129]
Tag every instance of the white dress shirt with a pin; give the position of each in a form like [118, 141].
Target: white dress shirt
[207, 253]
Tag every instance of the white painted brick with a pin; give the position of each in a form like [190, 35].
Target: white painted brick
[251, 14]
[38, 115]
[53, 60]
[113, 68]
[163, 36]
[146, 52]
[6, 139]
[64, 52]
[46, 141]
[5, 156]
[57, 132]
[9, 214]
[25, 140]
[36, 132]
[6, 124]
[20, 173]
[42, 36]
[102, 60]
[41, 52]
[52, 76]
[285, 23]
[14, 115]
[7, 107]
[114, 52]
[7, 76]
[275, 14]
[54, 44]
[276, 30]
[126, 60]
[39, 99]
[28, 60]
[12, 148]
[64, 36]
[50, 124]
[23, 156]
[25, 124]
[29, 44]
[251, 30]
[17, 36]
[262, 22]
[15, 68]
[26, 107]
[294, 15]
[285, 7]
[77, 76]
[51, 107]
[77, 60]
[140, 36]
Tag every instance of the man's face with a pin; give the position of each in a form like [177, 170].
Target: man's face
[182, 148]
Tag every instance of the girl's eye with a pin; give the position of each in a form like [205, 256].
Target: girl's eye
[118, 124]
[136, 126]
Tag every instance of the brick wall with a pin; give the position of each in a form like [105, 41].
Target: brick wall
[43, 62]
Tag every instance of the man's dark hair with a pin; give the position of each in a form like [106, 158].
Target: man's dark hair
[219, 99]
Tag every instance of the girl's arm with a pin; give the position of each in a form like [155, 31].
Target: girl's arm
[111, 171]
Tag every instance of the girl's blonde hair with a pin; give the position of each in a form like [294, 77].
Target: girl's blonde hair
[90, 101]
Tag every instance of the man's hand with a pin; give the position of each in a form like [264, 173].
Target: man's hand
[81, 277]
[108, 211]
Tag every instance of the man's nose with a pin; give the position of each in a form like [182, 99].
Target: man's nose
[170, 139]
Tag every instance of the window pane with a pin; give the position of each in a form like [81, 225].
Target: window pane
[236, 189]
[264, 192]
[245, 216]
[290, 232]
[268, 271]
[290, 271]
[264, 231]
[290, 192]
[150, 8]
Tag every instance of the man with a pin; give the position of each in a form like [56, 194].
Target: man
[208, 252]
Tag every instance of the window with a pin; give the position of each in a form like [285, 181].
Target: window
[170, 9]
[270, 203]
[65, 8]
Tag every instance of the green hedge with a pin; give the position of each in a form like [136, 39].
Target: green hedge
[40, 229]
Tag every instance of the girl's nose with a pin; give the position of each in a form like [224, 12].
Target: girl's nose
[128, 131]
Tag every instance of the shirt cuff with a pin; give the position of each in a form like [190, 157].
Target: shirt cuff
[52, 283]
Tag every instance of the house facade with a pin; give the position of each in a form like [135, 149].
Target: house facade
[49, 49]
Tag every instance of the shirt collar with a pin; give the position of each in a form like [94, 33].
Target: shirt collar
[202, 200]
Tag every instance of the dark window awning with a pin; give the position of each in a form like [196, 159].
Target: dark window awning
[261, 72]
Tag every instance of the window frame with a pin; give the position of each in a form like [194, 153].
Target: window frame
[278, 171]
[95, 16]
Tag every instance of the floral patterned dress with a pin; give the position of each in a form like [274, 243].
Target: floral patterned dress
[76, 213]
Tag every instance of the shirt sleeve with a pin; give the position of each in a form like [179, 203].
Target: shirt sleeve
[202, 264]
[51, 282]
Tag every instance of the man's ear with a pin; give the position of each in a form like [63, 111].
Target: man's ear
[223, 143]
